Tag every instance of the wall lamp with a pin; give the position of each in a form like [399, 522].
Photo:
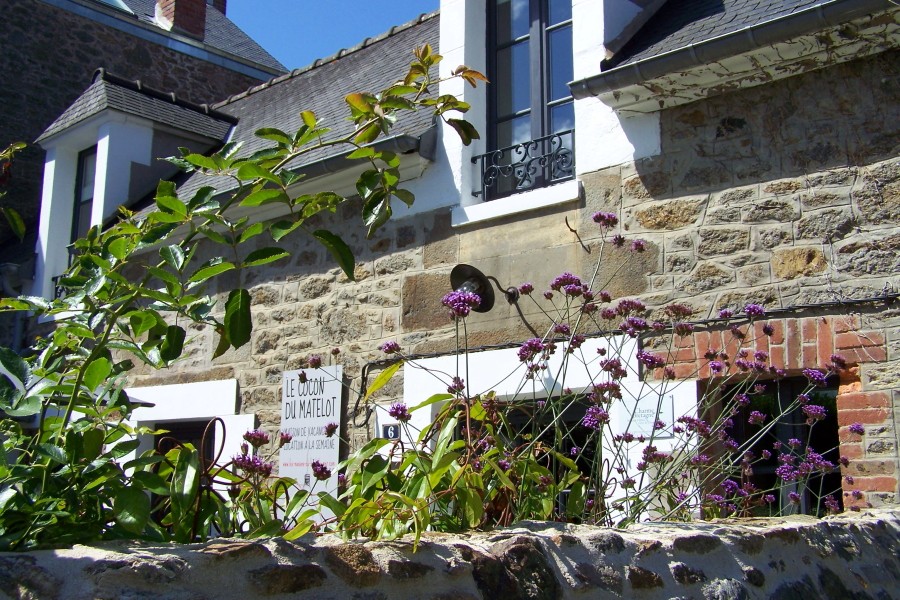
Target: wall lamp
[466, 278]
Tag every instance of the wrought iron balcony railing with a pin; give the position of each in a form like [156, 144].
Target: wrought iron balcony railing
[527, 166]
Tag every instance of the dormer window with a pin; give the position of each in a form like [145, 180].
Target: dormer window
[531, 111]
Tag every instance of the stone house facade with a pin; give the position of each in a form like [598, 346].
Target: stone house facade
[753, 146]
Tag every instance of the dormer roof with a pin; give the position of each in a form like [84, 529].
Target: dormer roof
[110, 92]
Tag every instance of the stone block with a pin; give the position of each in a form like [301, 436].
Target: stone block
[421, 301]
[673, 214]
[873, 256]
[705, 277]
[790, 263]
[771, 210]
[825, 225]
[719, 241]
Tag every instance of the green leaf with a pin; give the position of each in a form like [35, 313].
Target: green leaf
[339, 250]
[376, 211]
[366, 152]
[276, 135]
[283, 228]
[53, 452]
[251, 232]
[215, 266]
[238, 321]
[142, 321]
[173, 256]
[332, 504]
[131, 507]
[264, 256]
[265, 196]
[118, 247]
[14, 368]
[15, 222]
[383, 377]
[201, 162]
[215, 236]
[368, 134]
[171, 204]
[465, 130]
[309, 118]
[249, 171]
[359, 102]
[374, 471]
[406, 196]
[152, 482]
[96, 373]
[202, 198]
[173, 344]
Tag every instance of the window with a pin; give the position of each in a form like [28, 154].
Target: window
[531, 111]
[822, 438]
[84, 193]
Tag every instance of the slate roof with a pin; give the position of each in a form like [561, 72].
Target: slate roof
[680, 23]
[321, 87]
[221, 34]
[111, 92]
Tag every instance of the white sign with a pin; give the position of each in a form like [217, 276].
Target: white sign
[310, 400]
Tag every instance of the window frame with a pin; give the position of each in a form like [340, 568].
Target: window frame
[79, 201]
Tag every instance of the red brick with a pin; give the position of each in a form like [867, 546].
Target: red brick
[866, 416]
[863, 400]
[683, 355]
[825, 341]
[864, 355]
[810, 354]
[793, 344]
[777, 336]
[762, 342]
[684, 370]
[776, 356]
[852, 451]
[865, 339]
[846, 323]
[808, 327]
[684, 341]
[875, 484]
[849, 381]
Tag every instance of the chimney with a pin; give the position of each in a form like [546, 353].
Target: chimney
[219, 5]
[184, 16]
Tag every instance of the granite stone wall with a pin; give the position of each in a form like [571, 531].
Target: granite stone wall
[851, 556]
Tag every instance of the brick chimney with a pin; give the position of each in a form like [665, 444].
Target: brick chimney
[219, 5]
[184, 16]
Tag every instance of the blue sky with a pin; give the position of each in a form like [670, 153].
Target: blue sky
[297, 32]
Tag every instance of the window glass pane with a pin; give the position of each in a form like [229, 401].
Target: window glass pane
[88, 167]
[514, 131]
[83, 222]
[562, 117]
[559, 10]
[560, 62]
[512, 19]
[512, 80]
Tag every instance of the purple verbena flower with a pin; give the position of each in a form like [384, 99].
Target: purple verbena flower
[530, 348]
[594, 417]
[563, 280]
[456, 386]
[716, 366]
[399, 411]
[331, 429]
[461, 303]
[767, 329]
[726, 313]
[390, 347]
[618, 240]
[756, 418]
[754, 310]
[605, 219]
[320, 471]
[814, 413]
[816, 377]
[649, 360]
[525, 289]
[284, 438]
[314, 361]
[683, 329]
[257, 438]
[857, 428]
[638, 245]
[794, 497]
[503, 464]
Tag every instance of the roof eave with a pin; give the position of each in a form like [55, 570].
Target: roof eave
[744, 40]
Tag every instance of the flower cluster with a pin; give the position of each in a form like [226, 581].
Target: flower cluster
[253, 465]
[331, 429]
[605, 219]
[530, 349]
[651, 361]
[390, 347]
[320, 471]
[257, 438]
[594, 417]
[399, 411]
[525, 289]
[814, 413]
[314, 361]
[284, 438]
[456, 386]
[816, 377]
[461, 303]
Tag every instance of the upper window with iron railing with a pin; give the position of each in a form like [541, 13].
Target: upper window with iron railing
[526, 166]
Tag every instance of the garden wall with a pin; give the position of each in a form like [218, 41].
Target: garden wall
[851, 556]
